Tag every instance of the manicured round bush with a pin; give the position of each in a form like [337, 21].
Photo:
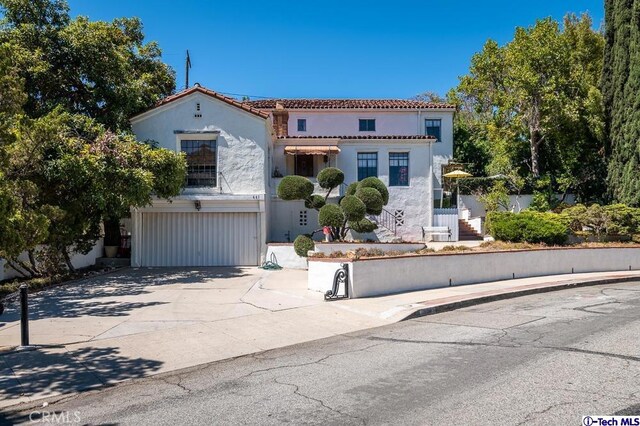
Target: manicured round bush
[331, 215]
[371, 198]
[295, 188]
[351, 189]
[302, 245]
[353, 208]
[374, 182]
[314, 202]
[330, 177]
[363, 226]
[528, 227]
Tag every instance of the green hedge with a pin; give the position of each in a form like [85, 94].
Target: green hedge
[528, 227]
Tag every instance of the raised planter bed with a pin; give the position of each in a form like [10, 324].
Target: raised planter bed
[285, 255]
[386, 275]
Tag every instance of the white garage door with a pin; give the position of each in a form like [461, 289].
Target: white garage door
[199, 239]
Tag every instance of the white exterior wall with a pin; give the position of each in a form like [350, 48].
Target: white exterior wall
[244, 161]
[242, 145]
[414, 199]
[345, 123]
[517, 203]
[77, 260]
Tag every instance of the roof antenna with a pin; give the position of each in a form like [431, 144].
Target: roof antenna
[187, 66]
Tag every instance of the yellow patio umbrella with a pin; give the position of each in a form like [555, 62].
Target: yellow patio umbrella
[457, 175]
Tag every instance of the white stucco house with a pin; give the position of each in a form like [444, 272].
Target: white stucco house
[237, 152]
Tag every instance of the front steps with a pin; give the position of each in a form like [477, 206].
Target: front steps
[466, 232]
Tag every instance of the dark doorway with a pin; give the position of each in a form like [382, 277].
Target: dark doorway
[304, 165]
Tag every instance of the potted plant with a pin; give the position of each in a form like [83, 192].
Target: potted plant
[111, 237]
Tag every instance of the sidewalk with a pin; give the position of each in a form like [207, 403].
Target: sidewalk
[137, 323]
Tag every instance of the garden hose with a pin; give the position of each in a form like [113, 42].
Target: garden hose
[271, 264]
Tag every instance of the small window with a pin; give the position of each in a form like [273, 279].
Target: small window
[367, 165]
[398, 169]
[367, 125]
[302, 124]
[201, 162]
[432, 128]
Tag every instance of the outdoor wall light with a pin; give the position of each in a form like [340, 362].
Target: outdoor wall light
[198, 204]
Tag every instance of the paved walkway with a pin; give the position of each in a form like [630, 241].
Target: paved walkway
[139, 322]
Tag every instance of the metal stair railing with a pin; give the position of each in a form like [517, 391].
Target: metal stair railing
[387, 220]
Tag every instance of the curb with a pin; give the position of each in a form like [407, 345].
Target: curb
[472, 301]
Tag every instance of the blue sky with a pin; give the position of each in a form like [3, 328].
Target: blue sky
[329, 48]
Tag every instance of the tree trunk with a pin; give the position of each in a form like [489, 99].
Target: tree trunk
[34, 264]
[67, 260]
[535, 141]
[18, 269]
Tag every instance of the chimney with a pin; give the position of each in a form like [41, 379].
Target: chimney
[281, 120]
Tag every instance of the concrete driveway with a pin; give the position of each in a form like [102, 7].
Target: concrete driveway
[137, 322]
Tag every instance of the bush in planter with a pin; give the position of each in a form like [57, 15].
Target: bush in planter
[528, 226]
[365, 197]
[613, 220]
[303, 245]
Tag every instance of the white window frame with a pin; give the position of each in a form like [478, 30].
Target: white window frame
[200, 136]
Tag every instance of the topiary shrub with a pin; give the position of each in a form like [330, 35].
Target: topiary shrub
[528, 227]
[352, 188]
[363, 226]
[330, 177]
[353, 207]
[375, 183]
[331, 215]
[315, 202]
[361, 198]
[303, 245]
[371, 198]
[295, 188]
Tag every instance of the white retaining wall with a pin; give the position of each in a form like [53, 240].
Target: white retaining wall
[78, 261]
[374, 277]
[286, 256]
[516, 203]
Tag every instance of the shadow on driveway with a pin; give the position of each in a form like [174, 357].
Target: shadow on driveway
[50, 372]
[82, 298]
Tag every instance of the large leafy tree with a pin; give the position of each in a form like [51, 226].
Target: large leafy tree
[534, 106]
[620, 86]
[74, 174]
[103, 70]
[68, 161]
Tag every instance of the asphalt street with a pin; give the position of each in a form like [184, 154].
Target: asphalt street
[542, 359]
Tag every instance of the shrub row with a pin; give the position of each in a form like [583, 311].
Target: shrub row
[528, 226]
[554, 228]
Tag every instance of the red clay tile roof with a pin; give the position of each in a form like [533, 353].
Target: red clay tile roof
[402, 137]
[269, 104]
[197, 88]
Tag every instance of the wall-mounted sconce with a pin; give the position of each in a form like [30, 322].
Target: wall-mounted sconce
[198, 205]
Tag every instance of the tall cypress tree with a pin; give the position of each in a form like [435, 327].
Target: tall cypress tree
[621, 92]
